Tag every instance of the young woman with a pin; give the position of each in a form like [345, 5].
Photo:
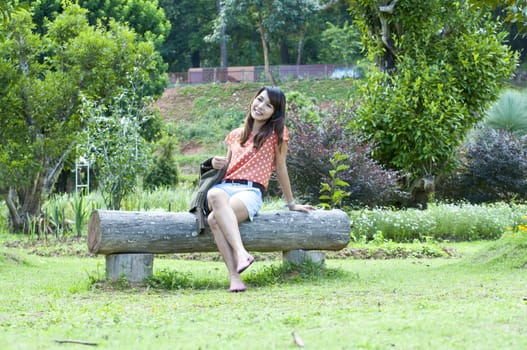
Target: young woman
[255, 150]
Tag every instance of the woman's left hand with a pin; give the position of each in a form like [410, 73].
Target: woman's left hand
[219, 162]
[302, 207]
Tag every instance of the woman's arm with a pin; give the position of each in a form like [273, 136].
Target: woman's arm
[283, 179]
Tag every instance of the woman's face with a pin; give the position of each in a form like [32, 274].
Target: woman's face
[261, 107]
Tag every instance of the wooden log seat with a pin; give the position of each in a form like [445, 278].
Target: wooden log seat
[128, 239]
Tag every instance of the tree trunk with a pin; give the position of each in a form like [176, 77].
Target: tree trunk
[299, 51]
[114, 232]
[16, 223]
[265, 48]
[24, 204]
[195, 59]
[387, 61]
[223, 37]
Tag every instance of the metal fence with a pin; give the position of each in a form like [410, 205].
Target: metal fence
[257, 73]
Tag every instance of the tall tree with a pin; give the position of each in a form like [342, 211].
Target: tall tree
[258, 11]
[42, 80]
[439, 68]
[272, 18]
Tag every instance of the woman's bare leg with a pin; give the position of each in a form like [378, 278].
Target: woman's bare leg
[227, 253]
[224, 222]
[228, 214]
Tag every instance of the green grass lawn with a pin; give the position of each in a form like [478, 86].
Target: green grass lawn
[442, 303]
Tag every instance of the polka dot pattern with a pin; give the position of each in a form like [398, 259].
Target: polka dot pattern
[249, 164]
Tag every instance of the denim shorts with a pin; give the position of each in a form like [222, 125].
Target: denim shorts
[250, 196]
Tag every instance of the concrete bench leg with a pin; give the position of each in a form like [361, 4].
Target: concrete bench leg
[132, 267]
[299, 256]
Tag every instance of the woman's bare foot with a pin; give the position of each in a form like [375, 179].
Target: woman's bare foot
[237, 284]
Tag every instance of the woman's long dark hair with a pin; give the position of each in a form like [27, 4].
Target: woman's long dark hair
[276, 123]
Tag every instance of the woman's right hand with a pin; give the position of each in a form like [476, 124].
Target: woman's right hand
[219, 162]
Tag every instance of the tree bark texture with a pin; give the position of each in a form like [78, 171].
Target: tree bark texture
[113, 232]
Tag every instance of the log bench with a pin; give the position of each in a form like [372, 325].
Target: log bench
[130, 239]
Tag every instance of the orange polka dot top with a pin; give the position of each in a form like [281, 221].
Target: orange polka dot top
[250, 164]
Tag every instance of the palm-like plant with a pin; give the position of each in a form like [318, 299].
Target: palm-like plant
[509, 113]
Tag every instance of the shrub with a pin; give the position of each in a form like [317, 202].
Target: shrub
[314, 144]
[164, 171]
[492, 167]
[112, 138]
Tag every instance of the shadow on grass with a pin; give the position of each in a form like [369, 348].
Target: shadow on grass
[282, 273]
[275, 274]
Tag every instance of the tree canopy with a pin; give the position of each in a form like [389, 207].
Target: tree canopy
[439, 68]
[44, 78]
[183, 29]
[145, 17]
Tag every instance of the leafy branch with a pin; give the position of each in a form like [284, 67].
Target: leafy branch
[333, 193]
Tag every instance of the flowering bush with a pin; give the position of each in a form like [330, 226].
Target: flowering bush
[461, 222]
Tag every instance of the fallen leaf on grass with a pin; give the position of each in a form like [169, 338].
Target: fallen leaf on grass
[298, 340]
